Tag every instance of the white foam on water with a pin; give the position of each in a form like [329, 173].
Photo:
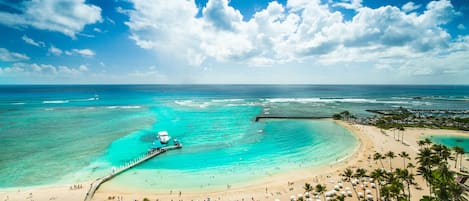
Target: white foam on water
[190, 103]
[227, 100]
[332, 100]
[55, 101]
[85, 99]
[124, 107]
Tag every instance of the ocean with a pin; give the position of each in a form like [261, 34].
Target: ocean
[63, 134]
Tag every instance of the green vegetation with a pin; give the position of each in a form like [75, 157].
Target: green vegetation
[395, 185]
[434, 167]
[402, 117]
[345, 115]
[337, 117]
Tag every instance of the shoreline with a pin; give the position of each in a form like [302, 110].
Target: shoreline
[369, 138]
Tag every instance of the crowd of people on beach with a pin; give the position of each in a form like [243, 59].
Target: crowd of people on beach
[76, 187]
[119, 198]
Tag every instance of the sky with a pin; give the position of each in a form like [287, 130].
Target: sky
[234, 42]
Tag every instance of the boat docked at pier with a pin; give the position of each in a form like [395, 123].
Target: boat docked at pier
[163, 137]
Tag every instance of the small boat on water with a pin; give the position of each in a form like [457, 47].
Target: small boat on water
[163, 137]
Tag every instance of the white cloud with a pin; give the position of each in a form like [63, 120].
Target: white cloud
[67, 17]
[350, 4]
[6, 55]
[84, 52]
[42, 70]
[55, 51]
[303, 30]
[222, 16]
[410, 6]
[461, 27]
[83, 68]
[122, 11]
[30, 41]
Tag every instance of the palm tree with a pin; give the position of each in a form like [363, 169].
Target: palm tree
[411, 166]
[428, 198]
[425, 160]
[377, 156]
[407, 177]
[348, 174]
[427, 141]
[404, 155]
[390, 155]
[396, 188]
[426, 173]
[385, 192]
[321, 189]
[377, 176]
[421, 143]
[308, 187]
[360, 173]
[401, 130]
[459, 151]
[446, 153]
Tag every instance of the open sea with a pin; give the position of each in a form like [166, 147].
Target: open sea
[54, 134]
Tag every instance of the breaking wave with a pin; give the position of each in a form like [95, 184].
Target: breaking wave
[124, 107]
[55, 101]
[332, 100]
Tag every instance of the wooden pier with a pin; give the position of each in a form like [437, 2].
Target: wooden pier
[99, 181]
[288, 117]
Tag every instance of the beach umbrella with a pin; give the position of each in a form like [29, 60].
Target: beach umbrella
[349, 193]
[361, 195]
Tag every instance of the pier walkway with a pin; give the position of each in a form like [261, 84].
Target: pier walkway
[288, 117]
[95, 185]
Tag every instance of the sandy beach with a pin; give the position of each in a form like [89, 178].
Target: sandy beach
[279, 186]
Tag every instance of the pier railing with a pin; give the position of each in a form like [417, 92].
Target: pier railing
[99, 181]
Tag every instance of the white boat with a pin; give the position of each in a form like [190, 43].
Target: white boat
[163, 137]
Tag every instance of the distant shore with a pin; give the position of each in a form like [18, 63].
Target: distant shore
[281, 185]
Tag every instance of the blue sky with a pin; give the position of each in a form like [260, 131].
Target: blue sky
[235, 42]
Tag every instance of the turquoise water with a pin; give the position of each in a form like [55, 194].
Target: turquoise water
[68, 134]
[215, 159]
[452, 141]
